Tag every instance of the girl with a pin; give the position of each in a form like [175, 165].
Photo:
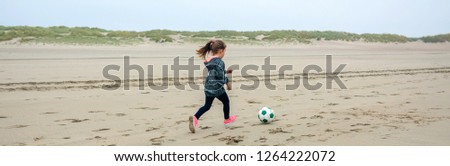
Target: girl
[214, 82]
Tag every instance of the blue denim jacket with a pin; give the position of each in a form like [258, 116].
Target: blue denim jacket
[216, 77]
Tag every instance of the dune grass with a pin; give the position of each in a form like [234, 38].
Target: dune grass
[437, 38]
[97, 36]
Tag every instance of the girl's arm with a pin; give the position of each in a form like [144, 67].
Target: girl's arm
[229, 72]
[223, 74]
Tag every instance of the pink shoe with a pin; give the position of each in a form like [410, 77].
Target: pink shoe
[192, 123]
[229, 120]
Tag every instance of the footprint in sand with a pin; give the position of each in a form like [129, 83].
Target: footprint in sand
[204, 127]
[48, 113]
[332, 104]
[392, 126]
[120, 114]
[261, 139]
[386, 136]
[73, 120]
[310, 124]
[146, 108]
[356, 130]
[346, 97]
[77, 120]
[232, 140]
[93, 112]
[290, 138]
[157, 140]
[308, 135]
[97, 138]
[17, 126]
[277, 130]
[253, 102]
[360, 124]
[102, 129]
[191, 106]
[235, 127]
[322, 140]
[38, 138]
[316, 117]
[212, 135]
[151, 129]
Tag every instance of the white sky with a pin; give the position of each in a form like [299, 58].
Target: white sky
[413, 18]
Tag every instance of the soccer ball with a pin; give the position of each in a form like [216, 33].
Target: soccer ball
[266, 115]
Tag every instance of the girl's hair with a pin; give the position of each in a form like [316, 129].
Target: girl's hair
[212, 46]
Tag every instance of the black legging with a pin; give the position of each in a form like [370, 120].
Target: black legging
[208, 102]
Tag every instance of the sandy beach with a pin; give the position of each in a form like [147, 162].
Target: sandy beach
[397, 94]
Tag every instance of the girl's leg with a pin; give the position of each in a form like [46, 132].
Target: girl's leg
[226, 105]
[206, 107]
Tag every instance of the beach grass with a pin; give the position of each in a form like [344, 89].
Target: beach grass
[98, 36]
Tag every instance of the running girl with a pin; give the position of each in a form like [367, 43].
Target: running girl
[214, 82]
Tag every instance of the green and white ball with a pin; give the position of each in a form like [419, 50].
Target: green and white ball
[266, 115]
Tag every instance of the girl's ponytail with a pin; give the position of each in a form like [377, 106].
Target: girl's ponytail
[205, 49]
[212, 46]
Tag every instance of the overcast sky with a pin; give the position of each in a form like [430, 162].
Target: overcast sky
[413, 18]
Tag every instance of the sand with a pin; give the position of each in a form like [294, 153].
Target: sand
[397, 94]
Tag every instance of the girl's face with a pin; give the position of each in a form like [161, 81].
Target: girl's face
[221, 53]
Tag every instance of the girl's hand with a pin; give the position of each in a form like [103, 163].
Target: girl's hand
[229, 71]
[229, 86]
